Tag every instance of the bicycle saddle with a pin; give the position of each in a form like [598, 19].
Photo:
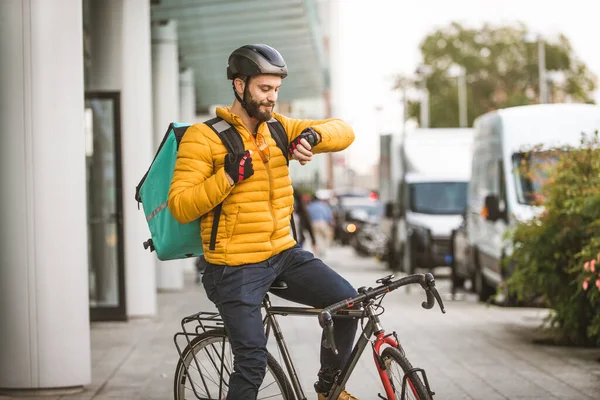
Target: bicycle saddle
[278, 285]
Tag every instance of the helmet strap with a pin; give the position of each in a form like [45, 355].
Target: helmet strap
[237, 96]
[241, 100]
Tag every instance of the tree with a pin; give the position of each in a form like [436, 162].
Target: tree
[501, 71]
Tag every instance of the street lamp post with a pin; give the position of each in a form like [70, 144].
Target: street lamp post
[424, 105]
[424, 71]
[542, 70]
[462, 99]
[460, 73]
[543, 74]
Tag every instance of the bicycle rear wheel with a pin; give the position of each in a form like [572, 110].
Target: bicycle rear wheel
[396, 367]
[206, 363]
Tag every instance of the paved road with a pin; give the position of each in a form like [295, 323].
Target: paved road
[475, 351]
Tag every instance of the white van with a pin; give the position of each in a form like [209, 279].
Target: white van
[498, 195]
[431, 185]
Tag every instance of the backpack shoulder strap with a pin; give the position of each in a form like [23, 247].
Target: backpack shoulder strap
[278, 133]
[234, 144]
[227, 133]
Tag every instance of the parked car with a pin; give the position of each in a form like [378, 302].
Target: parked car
[370, 241]
[354, 212]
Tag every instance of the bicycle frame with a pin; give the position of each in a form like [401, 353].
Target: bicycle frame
[211, 320]
[373, 326]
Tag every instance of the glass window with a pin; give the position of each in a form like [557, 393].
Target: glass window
[531, 171]
[438, 197]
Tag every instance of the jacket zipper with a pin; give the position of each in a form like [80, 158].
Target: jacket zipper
[268, 168]
[271, 199]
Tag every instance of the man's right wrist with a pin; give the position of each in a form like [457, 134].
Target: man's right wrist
[229, 179]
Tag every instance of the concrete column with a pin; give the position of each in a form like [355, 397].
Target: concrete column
[187, 96]
[44, 310]
[165, 85]
[121, 61]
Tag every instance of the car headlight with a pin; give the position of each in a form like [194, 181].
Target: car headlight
[350, 228]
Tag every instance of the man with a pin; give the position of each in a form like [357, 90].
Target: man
[322, 221]
[253, 245]
[303, 223]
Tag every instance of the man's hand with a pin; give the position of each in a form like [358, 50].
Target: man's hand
[238, 166]
[300, 148]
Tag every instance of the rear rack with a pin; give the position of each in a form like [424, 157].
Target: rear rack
[196, 324]
[193, 326]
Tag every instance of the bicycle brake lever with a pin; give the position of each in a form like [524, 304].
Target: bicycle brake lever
[330, 339]
[326, 323]
[439, 300]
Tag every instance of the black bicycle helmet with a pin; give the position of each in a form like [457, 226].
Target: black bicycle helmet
[256, 59]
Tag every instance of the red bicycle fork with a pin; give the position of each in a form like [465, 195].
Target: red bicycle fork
[385, 380]
[382, 339]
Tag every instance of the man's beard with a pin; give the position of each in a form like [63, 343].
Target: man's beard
[253, 108]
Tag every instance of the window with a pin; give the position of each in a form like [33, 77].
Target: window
[531, 171]
[438, 197]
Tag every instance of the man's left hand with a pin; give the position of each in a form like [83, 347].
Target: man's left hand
[300, 148]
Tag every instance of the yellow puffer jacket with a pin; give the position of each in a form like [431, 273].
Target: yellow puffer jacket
[255, 216]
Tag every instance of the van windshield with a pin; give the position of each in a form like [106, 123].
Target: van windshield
[531, 171]
[438, 197]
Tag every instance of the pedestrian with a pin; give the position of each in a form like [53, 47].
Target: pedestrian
[322, 222]
[252, 242]
[303, 223]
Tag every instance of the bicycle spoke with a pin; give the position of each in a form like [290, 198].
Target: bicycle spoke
[273, 396]
[209, 370]
[264, 387]
[209, 377]
[409, 390]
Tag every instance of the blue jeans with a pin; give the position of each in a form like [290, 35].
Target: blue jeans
[238, 293]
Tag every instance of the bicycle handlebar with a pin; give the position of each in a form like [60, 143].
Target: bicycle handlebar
[426, 281]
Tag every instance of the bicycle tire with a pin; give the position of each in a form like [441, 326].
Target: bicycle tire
[414, 384]
[214, 338]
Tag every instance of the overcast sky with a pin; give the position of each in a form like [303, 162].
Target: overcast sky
[371, 40]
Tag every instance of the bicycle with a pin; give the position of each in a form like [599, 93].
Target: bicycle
[209, 340]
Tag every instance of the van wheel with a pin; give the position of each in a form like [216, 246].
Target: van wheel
[393, 260]
[457, 281]
[395, 256]
[482, 288]
[509, 300]
[408, 265]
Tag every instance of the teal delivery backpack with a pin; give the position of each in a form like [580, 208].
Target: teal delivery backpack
[170, 239]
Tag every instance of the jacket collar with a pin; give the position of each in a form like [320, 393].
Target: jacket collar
[238, 124]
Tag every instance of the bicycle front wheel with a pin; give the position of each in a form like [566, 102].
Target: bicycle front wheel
[397, 365]
[206, 364]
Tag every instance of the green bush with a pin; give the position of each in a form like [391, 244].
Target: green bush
[556, 255]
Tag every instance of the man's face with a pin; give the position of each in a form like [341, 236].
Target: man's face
[261, 95]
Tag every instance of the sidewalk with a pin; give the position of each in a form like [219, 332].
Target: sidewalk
[473, 352]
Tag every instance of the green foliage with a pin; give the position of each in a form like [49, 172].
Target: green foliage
[557, 254]
[501, 71]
